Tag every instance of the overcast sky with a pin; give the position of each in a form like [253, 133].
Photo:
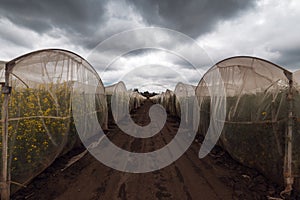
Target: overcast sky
[265, 28]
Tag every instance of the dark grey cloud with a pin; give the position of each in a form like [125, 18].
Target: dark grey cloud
[77, 20]
[289, 59]
[192, 17]
[41, 16]
[81, 21]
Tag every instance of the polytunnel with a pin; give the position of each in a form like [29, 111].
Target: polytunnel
[168, 101]
[186, 101]
[260, 125]
[120, 100]
[136, 100]
[2, 71]
[36, 117]
[158, 98]
[296, 130]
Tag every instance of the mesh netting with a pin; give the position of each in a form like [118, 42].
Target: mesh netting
[40, 125]
[296, 129]
[247, 99]
[157, 98]
[121, 100]
[168, 101]
[185, 97]
[2, 71]
[256, 108]
[136, 100]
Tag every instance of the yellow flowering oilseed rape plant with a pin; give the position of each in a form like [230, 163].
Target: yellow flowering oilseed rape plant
[38, 127]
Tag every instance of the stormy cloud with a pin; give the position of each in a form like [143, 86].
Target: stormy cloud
[262, 28]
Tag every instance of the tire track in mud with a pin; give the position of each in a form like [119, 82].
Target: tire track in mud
[181, 179]
[122, 193]
[142, 145]
[159, 184]
[162, 177]
[164, 183]
[133, 145]
[172, 128]
[102, 189]
[187, 178]
[196, 168]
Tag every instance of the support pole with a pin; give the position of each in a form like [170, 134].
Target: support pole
[5, 182]
[288, 175]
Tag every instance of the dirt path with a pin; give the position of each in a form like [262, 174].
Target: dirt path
[216, 176]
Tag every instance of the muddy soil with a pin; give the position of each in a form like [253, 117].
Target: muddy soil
[217, 176]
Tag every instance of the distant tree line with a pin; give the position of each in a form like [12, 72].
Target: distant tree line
[146, 93]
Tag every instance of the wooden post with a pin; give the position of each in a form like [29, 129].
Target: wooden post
[5, 182]
[288, 175]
